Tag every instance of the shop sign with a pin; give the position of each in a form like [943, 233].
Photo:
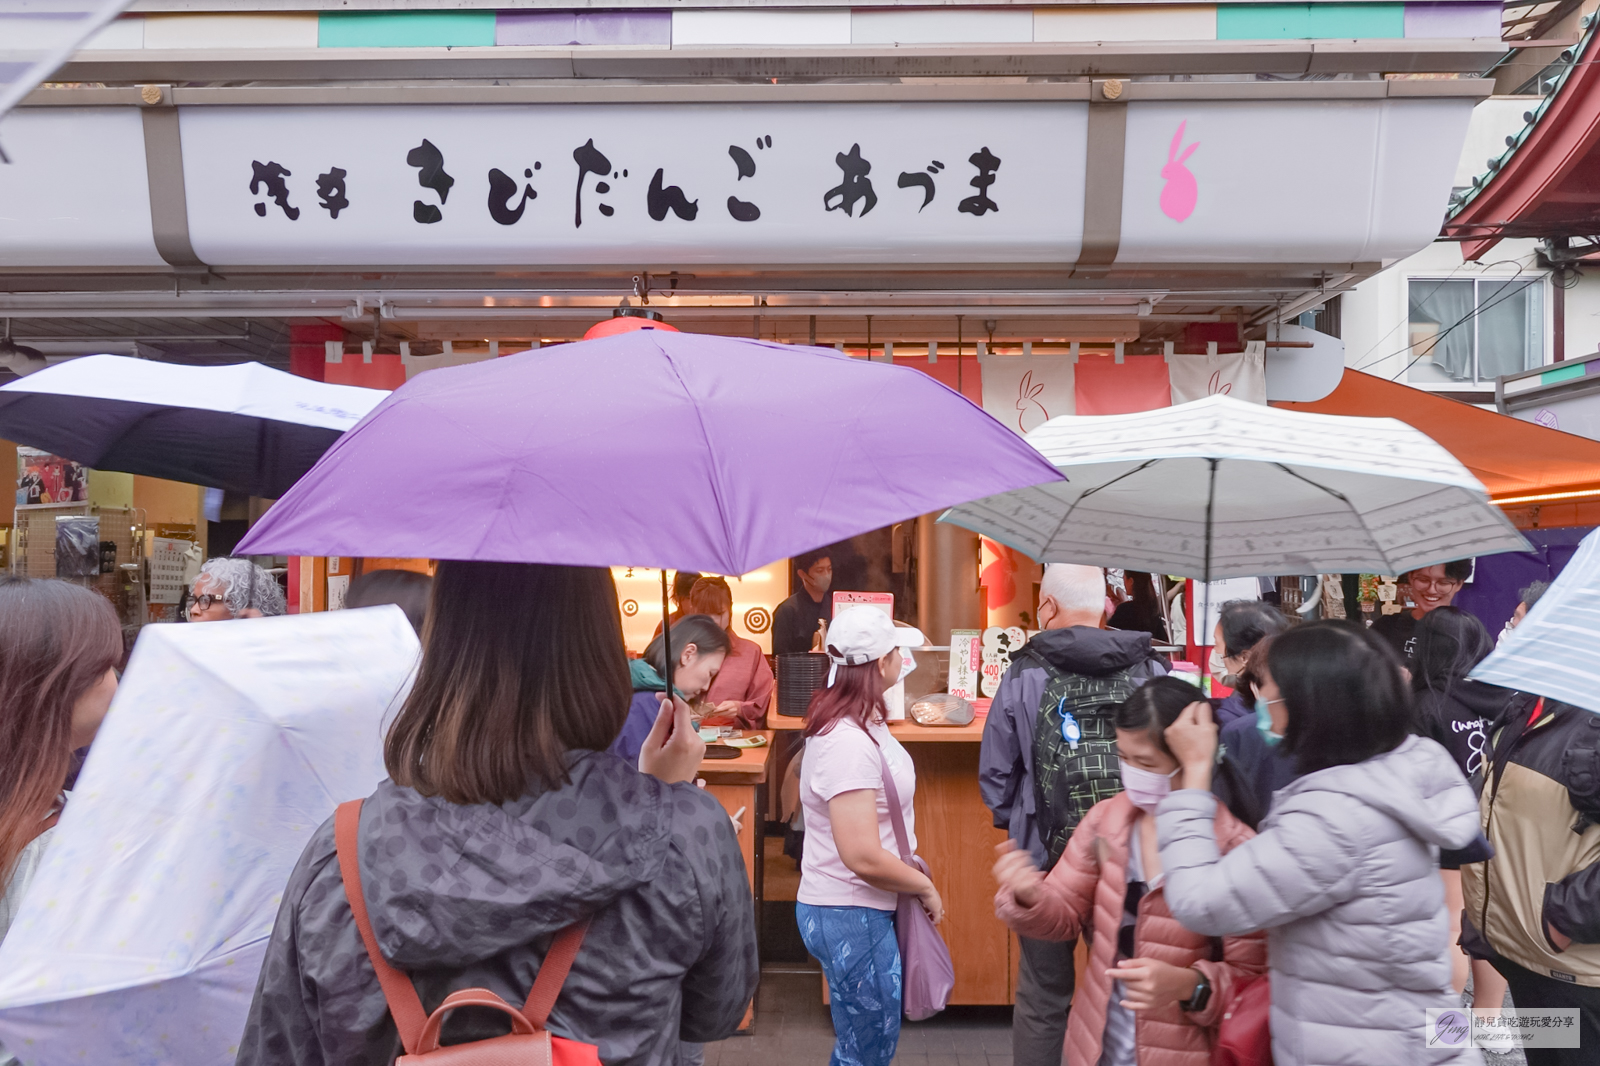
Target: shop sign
[973, 183]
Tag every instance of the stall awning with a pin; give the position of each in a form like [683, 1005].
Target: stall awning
[1541, 477]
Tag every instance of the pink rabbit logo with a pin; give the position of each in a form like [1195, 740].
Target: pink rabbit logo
[1027, 400]
[1180, 194]
[1216, 386]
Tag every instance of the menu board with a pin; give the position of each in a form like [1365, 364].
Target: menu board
[966, 662]
[998, 644]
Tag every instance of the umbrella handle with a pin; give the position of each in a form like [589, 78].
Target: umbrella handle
[666, 636]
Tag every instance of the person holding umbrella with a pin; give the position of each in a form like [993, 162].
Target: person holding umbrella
[504, 822]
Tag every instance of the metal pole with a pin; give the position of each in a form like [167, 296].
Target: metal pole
[1205, 612]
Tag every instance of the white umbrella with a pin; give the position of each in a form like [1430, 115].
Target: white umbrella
[141, 936]
[1555, 650]
[244, 427]
[1223, 488]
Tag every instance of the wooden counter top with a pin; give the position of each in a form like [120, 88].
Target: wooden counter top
[906, 732]
[750, 765]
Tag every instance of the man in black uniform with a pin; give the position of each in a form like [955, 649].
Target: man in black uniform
[795, 621]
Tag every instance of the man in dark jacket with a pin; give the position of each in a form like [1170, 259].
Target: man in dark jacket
[1534, 909]
[1071, 613]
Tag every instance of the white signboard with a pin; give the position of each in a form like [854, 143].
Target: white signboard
[606, 183]
[569, 185]
[966, 661]
[172, 565]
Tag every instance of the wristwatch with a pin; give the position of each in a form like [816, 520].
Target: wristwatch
[1202, 995]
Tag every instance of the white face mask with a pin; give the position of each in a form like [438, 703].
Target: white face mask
[1145, 788]
[1220, 672]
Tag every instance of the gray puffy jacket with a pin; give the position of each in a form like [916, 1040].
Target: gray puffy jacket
[1344, 876]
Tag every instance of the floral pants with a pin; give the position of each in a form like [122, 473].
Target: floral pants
[861, 960]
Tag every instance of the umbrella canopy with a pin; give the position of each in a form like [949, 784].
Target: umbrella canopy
[1555, 650]
[246, 428]
[646, 448]
[141, 936]
[1224, 488]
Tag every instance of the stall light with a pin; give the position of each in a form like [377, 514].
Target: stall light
[1544, 497]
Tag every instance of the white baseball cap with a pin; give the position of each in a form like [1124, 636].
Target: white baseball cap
[864, 634]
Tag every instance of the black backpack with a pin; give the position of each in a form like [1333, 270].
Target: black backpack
[1075, 769]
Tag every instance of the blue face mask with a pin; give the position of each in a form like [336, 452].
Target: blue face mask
[1264, 721]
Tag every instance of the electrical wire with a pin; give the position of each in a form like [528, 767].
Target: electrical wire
[1521, 269]
[1502, 294]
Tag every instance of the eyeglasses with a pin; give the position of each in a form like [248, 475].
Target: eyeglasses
[204, 602]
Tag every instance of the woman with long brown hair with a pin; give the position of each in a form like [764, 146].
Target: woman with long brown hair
[851, 875]
[59, 647]
[506, 821]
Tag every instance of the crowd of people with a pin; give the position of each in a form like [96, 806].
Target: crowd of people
[1354, 834]
[1388, 825]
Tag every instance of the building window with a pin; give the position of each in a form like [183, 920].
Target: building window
[1472, 330]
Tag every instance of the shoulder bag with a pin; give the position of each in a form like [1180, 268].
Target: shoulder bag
[528, 1044]
[926, 973]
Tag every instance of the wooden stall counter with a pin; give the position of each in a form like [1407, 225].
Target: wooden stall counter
[740, 785]
[956, 837]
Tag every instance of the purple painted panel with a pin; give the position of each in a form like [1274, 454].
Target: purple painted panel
[535, 27]
[1450, 19]
[625, 27]
[567, 28]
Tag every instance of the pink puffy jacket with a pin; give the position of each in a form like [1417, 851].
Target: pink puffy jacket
[1093, 873]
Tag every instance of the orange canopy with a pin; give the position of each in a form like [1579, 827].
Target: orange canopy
[1541, 477]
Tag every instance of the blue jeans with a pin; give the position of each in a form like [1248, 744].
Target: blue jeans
[861, 960]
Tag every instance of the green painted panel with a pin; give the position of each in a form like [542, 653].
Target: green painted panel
[405, 29]
[1566, 373]
[1368, 21]
[1276, 22]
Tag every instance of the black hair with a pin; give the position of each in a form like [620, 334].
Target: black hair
[698, 629]
[806, 560]
[406, 589]
[1343, 690]
[1455, 570]
[1450, 642]
[682, 582]
[1531, 594]
[1155, 705]
[1245, 622]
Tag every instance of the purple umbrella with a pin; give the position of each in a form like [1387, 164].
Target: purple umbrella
[647, 448]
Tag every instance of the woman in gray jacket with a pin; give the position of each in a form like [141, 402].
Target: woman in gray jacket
[1344, 872]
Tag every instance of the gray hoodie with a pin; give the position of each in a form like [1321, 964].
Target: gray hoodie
[465, 896]
[1344, 876]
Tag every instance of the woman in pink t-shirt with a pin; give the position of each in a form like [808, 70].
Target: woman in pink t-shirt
[850, 875]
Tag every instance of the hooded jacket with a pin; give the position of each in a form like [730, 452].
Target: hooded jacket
[1541, 811]
[1459, 716]
[1087, 890]
[642, 711]
[1344, 877]
[470, 896]
[1005, 761]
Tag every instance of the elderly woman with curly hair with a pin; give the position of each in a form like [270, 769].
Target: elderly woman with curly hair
[234, 588]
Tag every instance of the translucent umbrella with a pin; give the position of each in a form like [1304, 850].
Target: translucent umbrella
[141, 937]
[1224, 488]
[1555, 650]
